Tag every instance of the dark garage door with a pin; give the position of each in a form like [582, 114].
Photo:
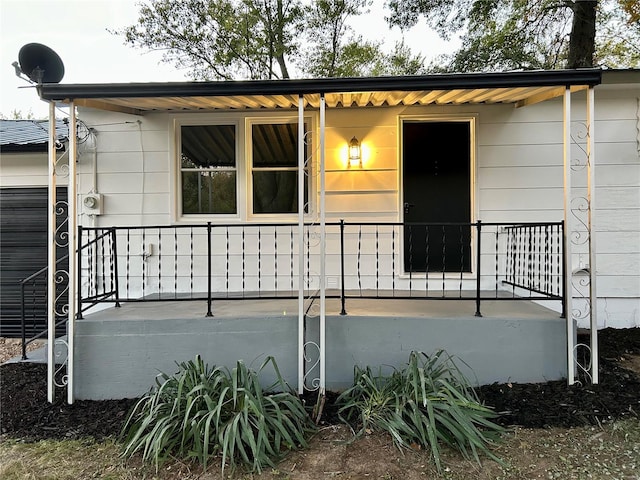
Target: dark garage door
[23, 251]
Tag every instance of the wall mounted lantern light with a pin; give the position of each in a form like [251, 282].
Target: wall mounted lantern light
[355, 155]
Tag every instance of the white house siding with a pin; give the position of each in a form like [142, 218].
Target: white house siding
[518, 177]
[132, 160]
[26, 170]
[529, 182]
[617, 214]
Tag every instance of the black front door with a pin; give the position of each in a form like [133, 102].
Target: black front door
[436, 159]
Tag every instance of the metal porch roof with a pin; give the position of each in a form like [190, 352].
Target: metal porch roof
[520, 88]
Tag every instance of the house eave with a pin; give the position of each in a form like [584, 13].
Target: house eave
[324, 85]
[135, 98]
[621, 76]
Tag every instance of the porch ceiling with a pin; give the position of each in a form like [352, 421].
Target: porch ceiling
[519, 96]
[519, 88]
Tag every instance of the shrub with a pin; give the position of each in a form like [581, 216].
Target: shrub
[427, 402]
[203, 411]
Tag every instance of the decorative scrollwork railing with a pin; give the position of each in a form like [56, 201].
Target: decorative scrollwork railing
[363, 260]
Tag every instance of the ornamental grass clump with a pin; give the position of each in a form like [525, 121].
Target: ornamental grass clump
[428, 402]
[204, 411]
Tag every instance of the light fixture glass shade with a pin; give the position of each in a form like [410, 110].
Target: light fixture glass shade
[355, 156]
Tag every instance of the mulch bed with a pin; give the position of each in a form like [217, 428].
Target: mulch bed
[26, 414]
[556, 404]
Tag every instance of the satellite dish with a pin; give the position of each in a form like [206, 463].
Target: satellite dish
[40, 63]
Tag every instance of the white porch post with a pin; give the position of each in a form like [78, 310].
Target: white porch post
[51, 260]
[323, 241]
[73, 246]
[593, 298]
[567, 235]
[301, 162]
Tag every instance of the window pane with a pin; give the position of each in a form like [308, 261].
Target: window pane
[275, 145]
[208, 146]
[208, 192]
[276, 192]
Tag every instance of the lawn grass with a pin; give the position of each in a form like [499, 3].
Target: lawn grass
[63, 459]
[610, 452]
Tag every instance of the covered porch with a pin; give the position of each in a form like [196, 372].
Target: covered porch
[316, 257]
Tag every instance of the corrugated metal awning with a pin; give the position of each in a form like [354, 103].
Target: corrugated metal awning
[520, 88]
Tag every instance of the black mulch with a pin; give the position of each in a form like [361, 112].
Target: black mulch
[25, 413]
[552, 404]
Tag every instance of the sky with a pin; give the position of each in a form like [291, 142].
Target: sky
[77, 31]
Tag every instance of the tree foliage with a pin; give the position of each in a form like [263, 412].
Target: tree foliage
[17, 114]
[335, 50]
[263, 39]
[332, 49]
[618, 39]
[401, 61]
[221, 39]
[632, 9]
[527, 34]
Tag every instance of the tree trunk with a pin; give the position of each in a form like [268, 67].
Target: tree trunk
[582, 41]
[279, 35]
[283, 66]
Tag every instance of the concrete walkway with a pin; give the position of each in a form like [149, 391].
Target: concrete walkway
[38, 355]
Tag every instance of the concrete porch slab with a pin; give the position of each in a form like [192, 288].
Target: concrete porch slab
[119, 351]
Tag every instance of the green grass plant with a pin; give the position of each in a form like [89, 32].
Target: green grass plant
[203, 411]
[65, 460]
[424, 404]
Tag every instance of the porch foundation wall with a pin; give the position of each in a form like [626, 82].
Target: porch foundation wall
[120, 358]
[486, 350]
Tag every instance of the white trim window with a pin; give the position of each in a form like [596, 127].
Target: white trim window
[240, 168]
[208, 170]
[273, 182]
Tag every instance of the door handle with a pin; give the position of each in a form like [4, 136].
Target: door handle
[407, 206]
